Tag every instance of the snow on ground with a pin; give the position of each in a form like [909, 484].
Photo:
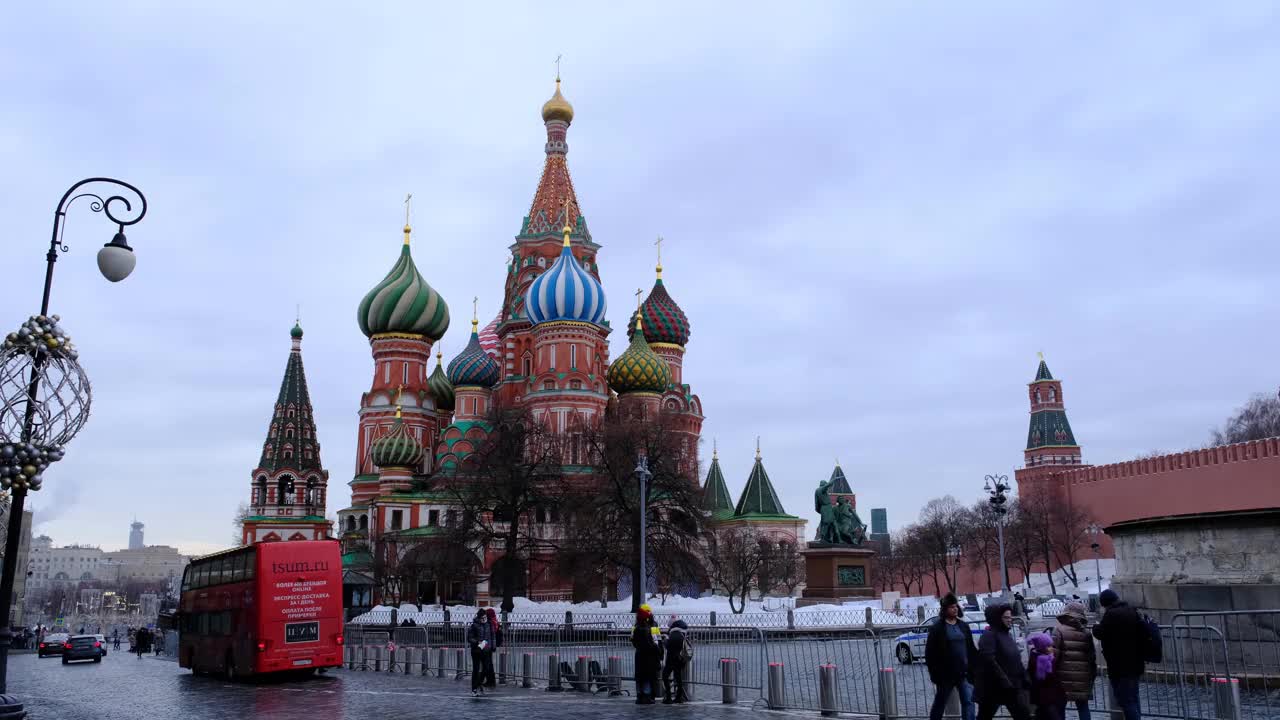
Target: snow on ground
[769, 612]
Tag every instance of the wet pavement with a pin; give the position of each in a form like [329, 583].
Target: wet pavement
[124, 687]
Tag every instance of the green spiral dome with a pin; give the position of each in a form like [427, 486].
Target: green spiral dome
[397, 449]
[404, 303]
[441, 388]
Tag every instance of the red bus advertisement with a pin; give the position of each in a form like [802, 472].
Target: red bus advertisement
[268, 607]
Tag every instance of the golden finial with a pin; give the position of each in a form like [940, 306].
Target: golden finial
[407, 228]
[439, 355]
[475, 313]
[567, 229]
[638, 293]
[757, 447]
[557, 108]
[399, 392]
[658, 243]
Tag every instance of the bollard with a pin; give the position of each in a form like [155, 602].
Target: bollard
[1226, 698]
[440, 655]
[446, 617]
[888, 694]
[460, 660]
[583, 670]
[728, 680]
[415, 660]
[791, 619]
[553, 673]
[615, 675]
[828, 695]
[504, 667]
[713, 618]
[920, 613]
[869, 622]
[777, 687]
[568, 619]
[526, 670]
[686, 677]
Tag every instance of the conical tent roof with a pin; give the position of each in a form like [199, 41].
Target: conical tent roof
[715, 493]
[759, 497]
[839, 483]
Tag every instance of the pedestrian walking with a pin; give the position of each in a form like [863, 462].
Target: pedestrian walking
[951, 656]
[480, 640]
[490, 679]
[1046, 688]
[678, 652]
[1124, 638]
[1000, 678]
[647, 641]
[1077, 660]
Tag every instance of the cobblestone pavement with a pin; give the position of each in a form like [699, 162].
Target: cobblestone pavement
[123, 687]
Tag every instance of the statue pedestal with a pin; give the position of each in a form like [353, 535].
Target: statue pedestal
[835, 573]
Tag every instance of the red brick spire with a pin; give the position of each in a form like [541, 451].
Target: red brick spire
[547, 213]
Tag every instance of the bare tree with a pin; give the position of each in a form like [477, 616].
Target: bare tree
[787, 567]
[940, 533]
[511, 481]
[602, 521]
[1259, 418]
[242, 512]
[734, 559]
[981, 539]
[1069, 535]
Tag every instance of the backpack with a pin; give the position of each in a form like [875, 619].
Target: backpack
[686, 649]
[1152, 643]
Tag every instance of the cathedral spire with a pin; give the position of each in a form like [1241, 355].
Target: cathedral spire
[555, 205]
[758, 497]
[715, 492]
[1049, 437]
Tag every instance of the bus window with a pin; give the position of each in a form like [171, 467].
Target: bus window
[250, 561]
[220, 570]
[237, 568]
[186, 579]
[202, 575]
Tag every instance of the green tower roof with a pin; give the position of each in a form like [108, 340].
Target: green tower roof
[839, 483]
[758, 497]
[1050, 428]
[293, 426]
[715, 493]
[1042, 372]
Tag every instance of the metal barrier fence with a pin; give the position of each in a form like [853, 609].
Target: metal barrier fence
[788, 618]
[1216, 666]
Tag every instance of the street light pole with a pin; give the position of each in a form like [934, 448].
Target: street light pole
[115, 261]
[1094, 530]
[996, 486]
[643, 474]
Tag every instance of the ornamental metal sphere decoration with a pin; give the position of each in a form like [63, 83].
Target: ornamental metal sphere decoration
[32, 434]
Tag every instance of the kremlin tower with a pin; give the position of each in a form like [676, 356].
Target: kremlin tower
[288, 488]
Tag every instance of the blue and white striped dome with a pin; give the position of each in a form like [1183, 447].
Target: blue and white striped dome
[566, 291]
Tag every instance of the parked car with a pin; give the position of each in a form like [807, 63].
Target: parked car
[52, 644]
[909, 646]
[82, 647]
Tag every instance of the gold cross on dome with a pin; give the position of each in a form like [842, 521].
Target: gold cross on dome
[558, 67]
[638, 293]
[408, 198]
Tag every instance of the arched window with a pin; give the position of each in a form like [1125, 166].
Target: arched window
[1037, 395]
[288, 433]
[1053, 395]
[549, 385]
[364, 522]
[260, 491]
[284, 490]
[311, 489]
[527, 365]
[351, 523]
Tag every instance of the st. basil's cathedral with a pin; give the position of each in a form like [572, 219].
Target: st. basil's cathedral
[546, 353]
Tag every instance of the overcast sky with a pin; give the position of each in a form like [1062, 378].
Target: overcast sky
[876, 215]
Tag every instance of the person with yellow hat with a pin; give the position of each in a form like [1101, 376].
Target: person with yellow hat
[647, 640]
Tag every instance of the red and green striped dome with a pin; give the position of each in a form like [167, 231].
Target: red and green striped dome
[664, 321]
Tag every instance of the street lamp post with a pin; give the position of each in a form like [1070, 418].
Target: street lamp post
[1094, 531]
[996, 486]
[643, 474]
[956, 551]
[115, 261]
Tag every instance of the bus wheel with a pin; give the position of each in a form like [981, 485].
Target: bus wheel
[229, 670]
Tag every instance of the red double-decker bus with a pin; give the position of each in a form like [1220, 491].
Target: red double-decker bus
[268, 607]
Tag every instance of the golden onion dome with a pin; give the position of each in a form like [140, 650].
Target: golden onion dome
[557, 108]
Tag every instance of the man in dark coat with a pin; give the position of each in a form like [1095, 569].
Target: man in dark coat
[647, 641]
[677, 641]
[950, 655]
[1123, 637]
[480, 638]
[1000, 678]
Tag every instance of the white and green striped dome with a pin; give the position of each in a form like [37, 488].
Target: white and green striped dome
[404, 303]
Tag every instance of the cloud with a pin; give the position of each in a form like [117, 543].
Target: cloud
[875, 217]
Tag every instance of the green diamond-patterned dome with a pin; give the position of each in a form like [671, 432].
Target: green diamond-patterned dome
[639, 369]
[403, 302]
[397, 448]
